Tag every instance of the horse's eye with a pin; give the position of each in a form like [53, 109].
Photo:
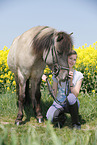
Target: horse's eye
[59, 53]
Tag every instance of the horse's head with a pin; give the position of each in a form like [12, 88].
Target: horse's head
[57, 58]
[63, 45]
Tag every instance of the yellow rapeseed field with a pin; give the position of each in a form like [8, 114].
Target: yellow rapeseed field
[86, 63]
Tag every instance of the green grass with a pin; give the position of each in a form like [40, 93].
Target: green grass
[33, 133]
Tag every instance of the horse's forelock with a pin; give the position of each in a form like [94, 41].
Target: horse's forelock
[66, 42]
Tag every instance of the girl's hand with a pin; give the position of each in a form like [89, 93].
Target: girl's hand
[71, 75]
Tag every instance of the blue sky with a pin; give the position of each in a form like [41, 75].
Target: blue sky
[77, 16]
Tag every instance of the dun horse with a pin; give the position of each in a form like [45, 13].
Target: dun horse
[27, 58]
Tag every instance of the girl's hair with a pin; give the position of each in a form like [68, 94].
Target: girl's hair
[72, 52]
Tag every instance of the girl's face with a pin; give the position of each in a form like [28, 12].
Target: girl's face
[72, 60]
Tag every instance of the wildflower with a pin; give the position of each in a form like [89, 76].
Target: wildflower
[8, 82]
[8, 88]
[89, 74]
[93, 91]
[1, 76]
[14, 83]
[1, 81]
[86, 68]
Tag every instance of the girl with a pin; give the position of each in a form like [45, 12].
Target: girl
[56, 112]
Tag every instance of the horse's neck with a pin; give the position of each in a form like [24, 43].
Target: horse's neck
[47, 57]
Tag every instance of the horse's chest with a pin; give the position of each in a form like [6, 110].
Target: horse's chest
[37, 69]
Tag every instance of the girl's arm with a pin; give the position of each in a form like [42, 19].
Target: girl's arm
[75, 90]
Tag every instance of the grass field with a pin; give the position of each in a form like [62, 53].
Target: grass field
[33, 133]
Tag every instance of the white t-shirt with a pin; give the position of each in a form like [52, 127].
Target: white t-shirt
[61, 89]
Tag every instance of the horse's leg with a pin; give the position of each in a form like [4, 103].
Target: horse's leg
[35, 97]
[27, 97]
[21, 97]
[37, 107]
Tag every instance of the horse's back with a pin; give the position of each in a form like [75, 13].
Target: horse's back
[21, 52]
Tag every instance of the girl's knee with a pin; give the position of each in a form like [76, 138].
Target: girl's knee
[52, 110]
[71, 99]
[50, 113]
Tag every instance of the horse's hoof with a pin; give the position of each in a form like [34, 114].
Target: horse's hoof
[40, 120]
[18, 122]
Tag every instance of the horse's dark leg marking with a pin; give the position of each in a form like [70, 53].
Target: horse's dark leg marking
[21, 99]
[35, 98]
[38, 97]
[32, 93]
[27, 95]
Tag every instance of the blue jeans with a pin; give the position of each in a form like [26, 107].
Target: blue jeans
[55, 110]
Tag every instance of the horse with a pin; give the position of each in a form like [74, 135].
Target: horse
[28, 56]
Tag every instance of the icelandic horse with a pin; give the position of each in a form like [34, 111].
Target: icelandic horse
[27, 58]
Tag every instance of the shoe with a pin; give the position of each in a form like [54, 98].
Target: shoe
[60, 123]
[77, 126]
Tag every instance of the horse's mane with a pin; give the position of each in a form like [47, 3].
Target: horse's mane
[41, 42]
[44, 41]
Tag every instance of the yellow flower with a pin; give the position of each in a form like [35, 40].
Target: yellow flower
[93, 91]
[8, 82]
[5, 69]
[86, 68]
[2, 76]
[89, 74]
[8, 88]
[1, 81]
[11, 77]
[9, 73]
[50, 76]
[14, 83]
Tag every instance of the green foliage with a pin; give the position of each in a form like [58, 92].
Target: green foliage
[32, 132]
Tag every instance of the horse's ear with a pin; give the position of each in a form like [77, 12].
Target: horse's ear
[60, 37]
[71, 33]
